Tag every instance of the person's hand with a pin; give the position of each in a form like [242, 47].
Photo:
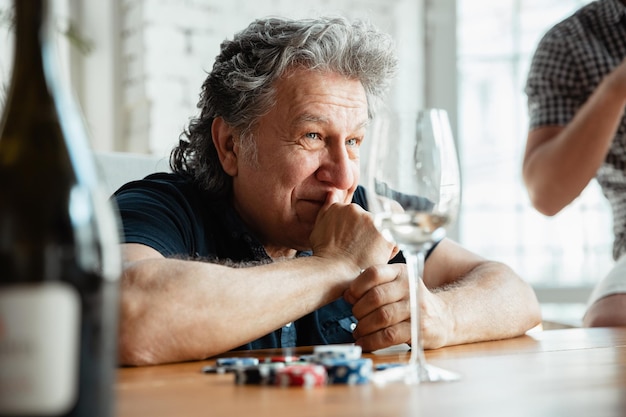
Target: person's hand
[347, 232]
[380, 302]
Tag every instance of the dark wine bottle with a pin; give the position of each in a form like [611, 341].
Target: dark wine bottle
[59, 243]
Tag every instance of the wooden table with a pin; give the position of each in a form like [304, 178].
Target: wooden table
[571, 372]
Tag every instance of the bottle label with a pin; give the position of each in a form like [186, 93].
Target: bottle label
[39, 348]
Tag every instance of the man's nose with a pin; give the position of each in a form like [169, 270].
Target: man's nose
[337, 168]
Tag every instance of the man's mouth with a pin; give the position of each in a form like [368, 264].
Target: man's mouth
[307, 210]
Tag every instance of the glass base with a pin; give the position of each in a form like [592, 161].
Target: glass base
[411, 375]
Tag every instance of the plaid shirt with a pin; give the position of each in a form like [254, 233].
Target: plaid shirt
[569, 63]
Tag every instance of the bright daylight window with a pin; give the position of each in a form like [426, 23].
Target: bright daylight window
[496, 40]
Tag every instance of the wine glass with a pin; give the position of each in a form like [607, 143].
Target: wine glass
[413, 191]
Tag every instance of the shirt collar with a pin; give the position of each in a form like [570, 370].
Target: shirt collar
[240, 232]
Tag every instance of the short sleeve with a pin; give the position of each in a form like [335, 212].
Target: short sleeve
[157, 214]
[554, 86]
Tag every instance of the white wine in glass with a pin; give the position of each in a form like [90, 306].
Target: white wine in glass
[414, 192]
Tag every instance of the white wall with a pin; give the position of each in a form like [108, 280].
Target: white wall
[168, 46]
[139, 85]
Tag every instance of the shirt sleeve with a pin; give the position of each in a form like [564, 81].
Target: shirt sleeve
[555, 86]
[156, 214]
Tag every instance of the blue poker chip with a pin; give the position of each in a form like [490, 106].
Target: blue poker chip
[348, 371]
[383, 366]
[242, 361]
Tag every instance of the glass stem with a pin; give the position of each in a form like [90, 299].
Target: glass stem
[415, 268]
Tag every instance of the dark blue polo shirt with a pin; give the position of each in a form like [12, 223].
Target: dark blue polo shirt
[172, 215]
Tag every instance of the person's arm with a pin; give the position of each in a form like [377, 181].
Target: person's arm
[177, 310]
[559, 161]
[485, 300]
[465, 299]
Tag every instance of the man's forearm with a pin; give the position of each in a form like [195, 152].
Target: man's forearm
[490, 302]
[175, 310]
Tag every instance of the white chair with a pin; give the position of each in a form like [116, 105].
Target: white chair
[118, 168]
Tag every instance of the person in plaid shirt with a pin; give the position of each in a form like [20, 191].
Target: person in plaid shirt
[576, 90]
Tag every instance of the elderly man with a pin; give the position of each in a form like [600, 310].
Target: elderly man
[259, 239]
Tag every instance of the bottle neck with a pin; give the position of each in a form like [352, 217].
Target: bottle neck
[32, 46]
[38, 90]
[30, 22]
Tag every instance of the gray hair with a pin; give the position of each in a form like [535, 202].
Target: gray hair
[241, 86]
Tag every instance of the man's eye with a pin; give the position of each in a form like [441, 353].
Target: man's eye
[312, 135]
[353, 142]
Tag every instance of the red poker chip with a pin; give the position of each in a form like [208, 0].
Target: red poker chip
[282, 359]
[306, 376]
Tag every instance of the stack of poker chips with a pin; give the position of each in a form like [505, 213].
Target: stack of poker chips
[344, 364]
[348, 371]
[261, 374]
[329, 364]
[301, 375]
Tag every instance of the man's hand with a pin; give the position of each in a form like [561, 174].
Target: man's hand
[347, 232]
[380, 299]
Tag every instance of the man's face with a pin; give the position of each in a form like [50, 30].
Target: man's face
[307, 148]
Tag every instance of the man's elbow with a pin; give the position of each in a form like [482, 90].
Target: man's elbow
[545, 200]
[534, 314]
[539, 191]
[529, 307]
[136, 331]
[133, 348]
[132, 355]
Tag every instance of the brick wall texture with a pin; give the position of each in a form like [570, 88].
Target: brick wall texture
[169, 45]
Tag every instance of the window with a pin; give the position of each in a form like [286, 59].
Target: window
[563, 256]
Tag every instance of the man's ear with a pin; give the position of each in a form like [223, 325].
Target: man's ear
[223, 139]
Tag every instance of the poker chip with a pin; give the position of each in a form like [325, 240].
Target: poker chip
[237, 361]
[214, 369]
[307, 358]
[348, 371]
[282, 359]
[348, 352]
[383, 366]
[261, 374]
[304, 375]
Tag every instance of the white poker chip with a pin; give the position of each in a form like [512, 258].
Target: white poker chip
[237, 361]
[348, 352]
